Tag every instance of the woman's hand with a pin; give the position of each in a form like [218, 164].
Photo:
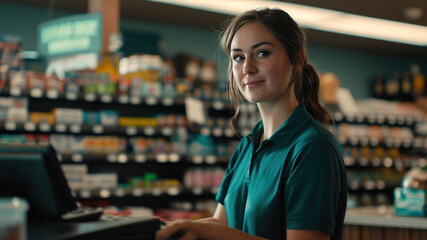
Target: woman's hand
[185, 230]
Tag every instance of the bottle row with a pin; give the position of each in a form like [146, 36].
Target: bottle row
[373, 180]
[197, 181]
[80, 148]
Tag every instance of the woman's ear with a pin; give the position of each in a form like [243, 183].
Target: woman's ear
[301, 58]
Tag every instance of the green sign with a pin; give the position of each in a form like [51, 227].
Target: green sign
[71, 35]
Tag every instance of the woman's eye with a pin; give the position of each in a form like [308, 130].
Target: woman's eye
[263, 54]
[237, 58]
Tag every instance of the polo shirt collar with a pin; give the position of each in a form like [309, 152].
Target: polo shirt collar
[285, 132]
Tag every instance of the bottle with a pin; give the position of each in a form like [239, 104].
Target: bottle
[418, 82]
[405, 88]
[392, 87]
[379, 86]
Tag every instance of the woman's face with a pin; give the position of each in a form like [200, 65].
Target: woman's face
[260, 65]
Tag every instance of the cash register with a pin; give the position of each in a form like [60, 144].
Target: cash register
[33, 172]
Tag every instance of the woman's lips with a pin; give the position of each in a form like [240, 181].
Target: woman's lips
[252, 84]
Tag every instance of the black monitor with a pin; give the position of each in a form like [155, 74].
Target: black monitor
[34, 173]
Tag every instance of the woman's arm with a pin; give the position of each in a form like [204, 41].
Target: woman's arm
[296, 234]
[215, 227]
[220, 216]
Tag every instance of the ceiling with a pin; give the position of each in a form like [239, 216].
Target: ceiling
[162, 13]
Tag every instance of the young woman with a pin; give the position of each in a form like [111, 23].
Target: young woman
[286, 179]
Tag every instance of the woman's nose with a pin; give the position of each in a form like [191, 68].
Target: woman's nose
[249, 67]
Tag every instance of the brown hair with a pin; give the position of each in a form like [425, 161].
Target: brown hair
[305, 80]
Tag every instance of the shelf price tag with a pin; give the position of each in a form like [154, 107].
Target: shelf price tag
[60, 127]
[149, 131]
[52, 94]
[173, 157]
[98, 129]
[217, 132]
[106, 98]
[44, 127]
[123, 99]
[75, 128]
[140, 158]
[167, 101]
[198, 159]
[167, 131]
[161, 158]
[195, 110]
[218, 105]
[229, 132]
[131, 131]
[211, 159]
[122, 158]
[112, 157]
[15, 91]
[30, 126]
[10, 126]
[135, 100]
[90, 97]
[72, 96]
[36, 93]
[151, 101]
[205, 131]
[77, 157]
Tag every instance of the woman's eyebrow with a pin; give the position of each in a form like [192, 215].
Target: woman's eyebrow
[253, 47]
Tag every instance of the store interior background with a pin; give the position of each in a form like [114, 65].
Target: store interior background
[354, 60]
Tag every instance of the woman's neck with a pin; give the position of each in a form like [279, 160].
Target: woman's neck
[274, 114]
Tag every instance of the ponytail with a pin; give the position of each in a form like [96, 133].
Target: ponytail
[306, 89]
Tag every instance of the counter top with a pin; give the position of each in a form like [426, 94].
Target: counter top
[382, 216]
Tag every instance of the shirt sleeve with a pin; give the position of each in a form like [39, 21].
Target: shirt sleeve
[313, 188]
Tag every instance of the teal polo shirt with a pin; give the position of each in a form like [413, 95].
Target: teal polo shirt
[294, 180]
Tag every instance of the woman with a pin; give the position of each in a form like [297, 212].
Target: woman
[286, 179]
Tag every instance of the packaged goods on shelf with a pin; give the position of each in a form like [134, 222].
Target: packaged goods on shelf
[138, 121]
[39, 117]
[94, 181]
[68, 115]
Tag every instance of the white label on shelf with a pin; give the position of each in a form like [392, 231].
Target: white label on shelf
[135, 100]
[119, 192]
[338, 116]
[173, 157]
[10, 126]
[167, 131]
[205, 131]
[211, 159]
[122, 158]
[380, 119]
[15, 91]
[90, 97]
[217, 132]
[229, 132]
[123, 99]
[360, 118]
[137, 192]
[77, 157]
[167, 101]
[30, 126]
[60, 127]
[172, 191]
[198, 159]
[44, 127]
[104, 193]
[371, 118]
[131, 131]
[391, 120]
[162, 158]
[140, 158]
[156, 191]
[149, 131]
[106, 98]
[75, 128]
[218, 105]
[151, 101]
[52, 94]
[197, 190]
[112, 157]
[195, 110]
[98, 129]
[71, 96]
[36, 93]
[85, 194]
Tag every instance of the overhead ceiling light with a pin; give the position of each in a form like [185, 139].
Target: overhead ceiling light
[320, 19]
